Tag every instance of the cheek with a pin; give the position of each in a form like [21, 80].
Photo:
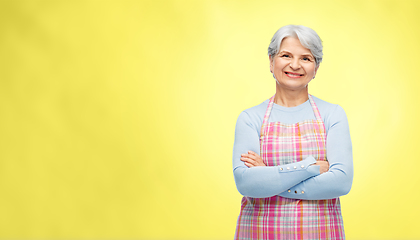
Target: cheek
[310, 69]
[280, 65]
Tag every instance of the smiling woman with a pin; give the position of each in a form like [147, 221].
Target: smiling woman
[292, 156]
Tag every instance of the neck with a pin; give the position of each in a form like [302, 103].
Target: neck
[290, 98]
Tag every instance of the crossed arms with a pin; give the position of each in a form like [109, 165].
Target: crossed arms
[303, 182]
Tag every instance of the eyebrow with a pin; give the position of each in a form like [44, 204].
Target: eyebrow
[285, 52]
[305, 54]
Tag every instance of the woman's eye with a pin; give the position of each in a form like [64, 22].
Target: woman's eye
[306, 59]
[285, 55]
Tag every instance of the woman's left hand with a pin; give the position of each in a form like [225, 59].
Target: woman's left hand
[252, 159]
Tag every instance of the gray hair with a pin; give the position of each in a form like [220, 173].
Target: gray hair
[307, 37]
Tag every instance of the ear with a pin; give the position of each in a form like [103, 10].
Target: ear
[271, 63]
[316, 69]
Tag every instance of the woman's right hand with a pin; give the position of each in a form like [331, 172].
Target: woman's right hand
[324, 166]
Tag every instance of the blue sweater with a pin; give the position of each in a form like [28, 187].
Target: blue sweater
[305, 181]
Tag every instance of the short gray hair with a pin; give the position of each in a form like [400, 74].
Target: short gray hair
[307, 37]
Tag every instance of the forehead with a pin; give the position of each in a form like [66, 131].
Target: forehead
[293, 45]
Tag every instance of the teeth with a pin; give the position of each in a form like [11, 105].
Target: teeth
[293, 74]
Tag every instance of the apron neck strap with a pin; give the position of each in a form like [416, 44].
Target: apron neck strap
[315, 108]
[267, 115]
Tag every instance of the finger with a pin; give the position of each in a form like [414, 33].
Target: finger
[249, 160]
[246, 159]
[249, 165]
[252, 153]
[248, 156]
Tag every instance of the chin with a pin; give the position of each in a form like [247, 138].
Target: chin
[294, 87]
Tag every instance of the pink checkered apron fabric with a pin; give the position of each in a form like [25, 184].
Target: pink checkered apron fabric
[285, 218]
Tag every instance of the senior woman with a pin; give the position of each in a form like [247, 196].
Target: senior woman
[292, 156]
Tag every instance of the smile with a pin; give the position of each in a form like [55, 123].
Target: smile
[293, 75]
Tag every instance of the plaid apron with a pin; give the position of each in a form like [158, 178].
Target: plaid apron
[285, 218]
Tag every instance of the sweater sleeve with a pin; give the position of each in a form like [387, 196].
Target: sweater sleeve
[260, 182]
[338, 179]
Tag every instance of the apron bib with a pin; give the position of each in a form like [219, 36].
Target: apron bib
[285, 218]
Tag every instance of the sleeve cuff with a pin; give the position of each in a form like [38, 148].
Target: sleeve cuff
[304, 165]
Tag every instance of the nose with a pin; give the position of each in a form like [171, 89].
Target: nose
[294, 64]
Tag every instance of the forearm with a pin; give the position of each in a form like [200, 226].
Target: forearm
[260, 182]
[328, 185]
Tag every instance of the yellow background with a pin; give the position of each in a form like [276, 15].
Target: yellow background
[117, 117]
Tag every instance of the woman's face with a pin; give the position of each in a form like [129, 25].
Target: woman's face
[294, 65]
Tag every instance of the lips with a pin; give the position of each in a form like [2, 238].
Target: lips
[293, 75]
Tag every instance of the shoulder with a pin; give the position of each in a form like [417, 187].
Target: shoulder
[331, 113]
[324, 106]
[258, 110]
[253, 116]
